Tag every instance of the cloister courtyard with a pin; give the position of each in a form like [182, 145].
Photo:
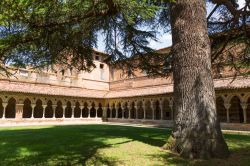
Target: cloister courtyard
[103, 144]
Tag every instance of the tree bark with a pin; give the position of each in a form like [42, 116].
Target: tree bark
[197, 132]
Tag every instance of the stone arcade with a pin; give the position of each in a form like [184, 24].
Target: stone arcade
[107, 94]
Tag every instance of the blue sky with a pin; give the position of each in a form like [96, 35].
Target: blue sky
[164, 39]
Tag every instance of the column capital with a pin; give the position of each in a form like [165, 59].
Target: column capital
[4, 104]
[244, 105]
[227, 105]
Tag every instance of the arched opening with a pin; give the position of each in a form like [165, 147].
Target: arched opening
[85, 111]
[140, 112]
[119, 111]
[38, 110]
[10, 111]
[157, 110]
[59, 110]
[77, 110]
[221, 110]
[132, 111]
[149, 111]
[126, 111]
[49, 110]
[99, 111]
[93, 111]
[166, 110]
[113, 111]
[108, 112]
[27, 109]
[248, 110]
[68, 110]
[235, 111]
[1, 108]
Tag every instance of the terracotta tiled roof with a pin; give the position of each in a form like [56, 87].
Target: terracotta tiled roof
[20, 87]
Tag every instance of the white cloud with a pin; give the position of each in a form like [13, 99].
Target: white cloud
[164, 40]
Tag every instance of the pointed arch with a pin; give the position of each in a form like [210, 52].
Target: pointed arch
[49, 110]
[166, 110]
[10, 111]
[113, 111]
[132, 111]
[140, 111]
[1, 108]
[235, 110]
[27, 109]
[157, 110]
[38, 110]
[99, 111]
[221, 110]
[68, 110]
[119, 110]
[85, 111]
[77, 110]
[125, 111]
[59, 110]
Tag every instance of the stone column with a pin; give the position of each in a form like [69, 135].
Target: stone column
[136, 112]
[19, 111]
[172, 111]
[96, 110]
[123, 111]
[4, 109]
[33, 109]
[64, 108]
[129, 112]
[73, 112]
[227, 106]
[104, 113]
[244, 107]
[144, 110]
[153, 110]
[161, 107]
[54, 111]
[116, 112]
[89, 108]
[44, 107]
[81, 107]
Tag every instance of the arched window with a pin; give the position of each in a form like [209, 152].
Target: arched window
[68, 110]
[10, 111]
[77, 111]
[49, 110]
[27, 109]
[235, 111]
[38, 110]
[59, 110]
[221, 110]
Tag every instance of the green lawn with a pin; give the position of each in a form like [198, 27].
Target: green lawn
[102, 145]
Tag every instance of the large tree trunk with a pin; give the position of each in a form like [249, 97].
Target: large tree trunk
[197, 132]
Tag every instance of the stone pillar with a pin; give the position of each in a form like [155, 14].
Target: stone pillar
[123, 111]
[172, 111]
[89, 108]
[136, 112]
[96, 110]
[73, 112]
[4, 109]
[64, 108]
[81, 107]
[227, 106]
[44, 107]
[244, 107]
[54, 111]
[161, 107]
[153, 110]
[19, 111]
[144, 110]
[116, 112]
[129, 112]
[104, 113]
[33, 109]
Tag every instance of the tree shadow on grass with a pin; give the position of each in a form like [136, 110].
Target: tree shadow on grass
[69, 145]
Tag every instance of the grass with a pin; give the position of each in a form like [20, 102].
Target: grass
[102, 145]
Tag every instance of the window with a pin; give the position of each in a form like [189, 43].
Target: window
[101, 66]
[97, 58]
